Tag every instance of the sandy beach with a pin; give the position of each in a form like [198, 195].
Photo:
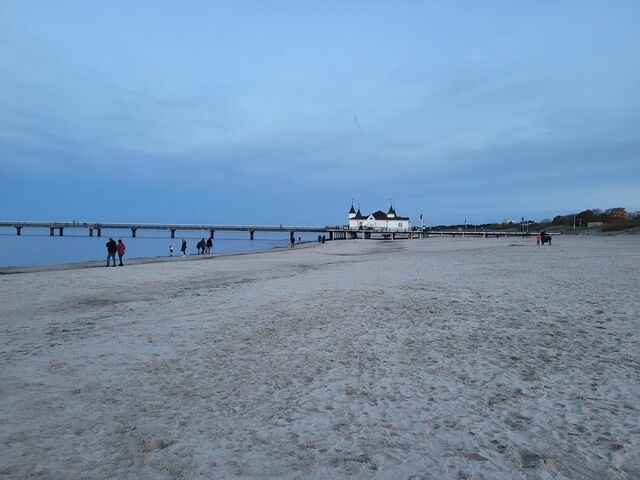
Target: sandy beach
[434, 359]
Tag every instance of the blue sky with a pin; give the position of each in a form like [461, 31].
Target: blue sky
[282, 112]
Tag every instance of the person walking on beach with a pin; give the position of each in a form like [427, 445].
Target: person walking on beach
[112, 248]
[183, 248]
[171, 250]
[292, 240]
[120, 248]
[209, 245]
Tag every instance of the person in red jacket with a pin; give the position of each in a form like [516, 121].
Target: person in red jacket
[121, 249]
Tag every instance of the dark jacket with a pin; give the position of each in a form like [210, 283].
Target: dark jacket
[112, 246]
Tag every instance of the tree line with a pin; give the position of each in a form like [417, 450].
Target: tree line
[612, 219]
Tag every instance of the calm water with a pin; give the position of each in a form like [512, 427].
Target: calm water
[36, 247]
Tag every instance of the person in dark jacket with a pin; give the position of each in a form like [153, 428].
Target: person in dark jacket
[183, 247]
[121, 249]
[112, 248]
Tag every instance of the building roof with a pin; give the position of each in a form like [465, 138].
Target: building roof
[377, 215]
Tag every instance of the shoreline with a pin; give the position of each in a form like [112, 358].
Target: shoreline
[9, 270]
[138, 260]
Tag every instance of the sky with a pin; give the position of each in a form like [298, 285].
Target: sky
[275, 112]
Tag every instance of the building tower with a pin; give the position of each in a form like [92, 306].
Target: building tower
[391, 213]
[352, 212]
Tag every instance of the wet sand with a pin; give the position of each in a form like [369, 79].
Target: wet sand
[437, 358]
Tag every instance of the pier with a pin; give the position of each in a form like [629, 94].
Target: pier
[477, 233]
[97, 228]
[342, 232]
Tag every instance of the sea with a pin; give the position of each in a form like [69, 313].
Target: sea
[36, 247]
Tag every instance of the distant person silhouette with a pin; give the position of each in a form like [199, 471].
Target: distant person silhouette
[121, 248]
[209, 245]
[171, 250]
[112, 248]
[202, 245]
[292, 240]
[183, 248]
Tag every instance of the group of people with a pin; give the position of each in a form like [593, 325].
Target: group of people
[112, 249]
[204, 248]
[542, 238]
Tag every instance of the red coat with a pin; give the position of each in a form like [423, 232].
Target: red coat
[121, 248]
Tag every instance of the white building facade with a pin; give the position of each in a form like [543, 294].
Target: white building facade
[389, 222]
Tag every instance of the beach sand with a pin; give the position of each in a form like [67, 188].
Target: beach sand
[437, 358]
